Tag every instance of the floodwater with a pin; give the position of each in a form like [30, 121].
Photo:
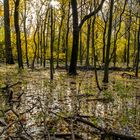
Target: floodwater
[47, 109]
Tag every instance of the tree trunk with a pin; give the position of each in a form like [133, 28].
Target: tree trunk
[67, 35]
[76, 29]
[94, 52]
[134, 53]
[116, 33]
[38, 46]
[104, 42]
[51, 45]
[45, 42]
[129, 35]
[25, 35]
[17, 29]
[138, 52]
[41, 45]
[80, 34]
[59, 38]
[73, 63]
[106, 70]
[8, 49]
[115, 45]
[35, 43]
[88, 42]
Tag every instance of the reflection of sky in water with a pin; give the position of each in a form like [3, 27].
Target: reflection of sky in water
[60, 97]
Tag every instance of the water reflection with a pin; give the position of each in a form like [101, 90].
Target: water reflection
[46, 103]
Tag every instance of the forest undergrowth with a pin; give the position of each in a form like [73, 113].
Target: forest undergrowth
[68, 107]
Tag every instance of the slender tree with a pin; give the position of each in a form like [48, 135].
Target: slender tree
[51, 44]
[128, 39]
[67, 35]
[59, 35]
[88, 41]
[17, 29]
[104, 36]
[80, 34]
[138, 51]
[116, 33]
[45, 42]
[106, 69]
[94, 51]
[25, 32]
[36, 45]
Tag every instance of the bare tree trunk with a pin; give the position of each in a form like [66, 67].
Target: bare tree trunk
[51, 45]
[129, 36]
[106, 70]
[76, 29]
[59, 39]
[67, 35]
[73, 63]
[104, 43]
[115, 44]
[35, 43]
[138, 52]
[41, 45]
[45, 43]
[80, 54]
[25, 35]
[134, 53]
[88, 41]
[116, 32]
[38, 45]
[9, 55]
[94, 51]
[17, 29]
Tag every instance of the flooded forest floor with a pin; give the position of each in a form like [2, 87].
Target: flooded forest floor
[68, 108]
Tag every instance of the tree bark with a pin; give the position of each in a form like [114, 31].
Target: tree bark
[88, 42]
[59, 39]
[8, 49]
[35, 43]
[45, 42]
[25, 34]
[17, 29]
[76, 29]
[67, 35]
[106, 69]
[73, 63]
[138, 52]
[94, 52]
[51, 45]
[80, 34]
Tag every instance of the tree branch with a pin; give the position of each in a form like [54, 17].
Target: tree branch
[104, 131]
[86, 17]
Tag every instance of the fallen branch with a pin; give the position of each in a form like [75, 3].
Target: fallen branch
[18, 119]
[7, 127]
[66, 135]
[9, 86]
[86, 68]
[129, 76]
[105, 132]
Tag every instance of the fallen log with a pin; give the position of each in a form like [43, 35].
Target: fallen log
[67, 135]
[129, 76]
[104, 132]
[85, 68]
[10, 86]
